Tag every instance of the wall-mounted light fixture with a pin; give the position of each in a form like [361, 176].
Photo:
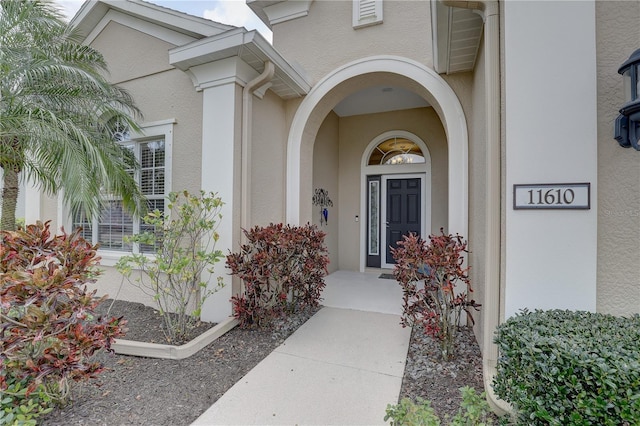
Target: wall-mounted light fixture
[627, 126]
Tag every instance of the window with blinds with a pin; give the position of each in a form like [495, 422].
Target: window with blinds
[115, 223]
[366, 12]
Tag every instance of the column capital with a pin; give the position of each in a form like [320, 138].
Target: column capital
[221, 72]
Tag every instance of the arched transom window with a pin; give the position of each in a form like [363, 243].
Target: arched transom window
[396, 150]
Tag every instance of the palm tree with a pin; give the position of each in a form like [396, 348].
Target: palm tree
[56, 107]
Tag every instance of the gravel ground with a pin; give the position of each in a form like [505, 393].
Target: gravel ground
[147, 391]
[428, 377]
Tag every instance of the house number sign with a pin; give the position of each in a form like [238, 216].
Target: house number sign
[552, 196]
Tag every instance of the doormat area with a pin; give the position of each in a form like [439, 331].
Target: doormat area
[387, 276]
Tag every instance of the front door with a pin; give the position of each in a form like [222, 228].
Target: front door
[403, 212]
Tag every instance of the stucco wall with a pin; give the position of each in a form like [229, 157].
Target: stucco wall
[160, 91]
[268, 160]
[325, 39]
[171, 95]
[550, 138]
[130, 53]
[477, 188]
[49, 209]
[139, 63]
[356, 133]
[326, 176]
[618, 35]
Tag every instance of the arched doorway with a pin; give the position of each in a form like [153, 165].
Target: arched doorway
[349, 79]
[395, 194]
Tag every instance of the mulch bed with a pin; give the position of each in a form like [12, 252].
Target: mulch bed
[147, 391]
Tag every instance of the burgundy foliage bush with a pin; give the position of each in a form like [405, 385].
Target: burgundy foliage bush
[48, 327]
[429, 273]
[282, 269]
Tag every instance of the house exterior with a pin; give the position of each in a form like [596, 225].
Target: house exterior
[489, 119]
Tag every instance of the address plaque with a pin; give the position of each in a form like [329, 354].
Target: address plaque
[572, 196]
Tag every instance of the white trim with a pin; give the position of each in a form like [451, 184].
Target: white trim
[92, 12]
[145, 27]
[440, 96]
[200, 59]
[286, 11]
[425, 211]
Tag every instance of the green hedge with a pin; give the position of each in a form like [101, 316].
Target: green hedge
[570, 368]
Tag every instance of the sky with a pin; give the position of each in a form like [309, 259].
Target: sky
[232, 12]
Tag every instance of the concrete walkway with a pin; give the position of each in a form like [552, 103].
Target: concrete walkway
[342, 367]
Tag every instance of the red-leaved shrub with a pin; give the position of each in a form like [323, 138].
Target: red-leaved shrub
[48, 327]
[428, 273]
[282, 269]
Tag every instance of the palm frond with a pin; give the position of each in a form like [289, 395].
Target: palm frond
[55, 103]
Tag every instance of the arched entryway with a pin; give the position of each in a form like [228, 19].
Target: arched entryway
[356, 76]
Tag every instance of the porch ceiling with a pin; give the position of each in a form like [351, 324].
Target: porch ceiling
[456, 37]
[379, 99]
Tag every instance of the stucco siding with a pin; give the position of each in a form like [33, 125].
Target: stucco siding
[48, 209]
[477, 188]
[139, 63]
[618, 272]
[130, 53]
[326, 176]
[268, 161]
[550, 138]
[170, 95]
[325, 39]
[356, 133]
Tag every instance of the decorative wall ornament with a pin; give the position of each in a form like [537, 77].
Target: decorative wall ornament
[321, 199]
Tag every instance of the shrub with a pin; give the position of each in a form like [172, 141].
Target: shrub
[282, 268]
[185, 238]
[562, 367]
[48, 325]
[428, 274]
[18, 408]
[408, 413]
[474, 410]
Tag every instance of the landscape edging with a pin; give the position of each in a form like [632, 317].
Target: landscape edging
[156, 350]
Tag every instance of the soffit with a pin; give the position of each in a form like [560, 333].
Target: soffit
[276, 11]
[457, 34]
[251, 48]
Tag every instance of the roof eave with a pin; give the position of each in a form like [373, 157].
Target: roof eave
[456, 35]
[91, 13]
[251, 47]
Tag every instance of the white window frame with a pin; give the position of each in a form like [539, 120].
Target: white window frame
[150, 131]
[366, 13]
